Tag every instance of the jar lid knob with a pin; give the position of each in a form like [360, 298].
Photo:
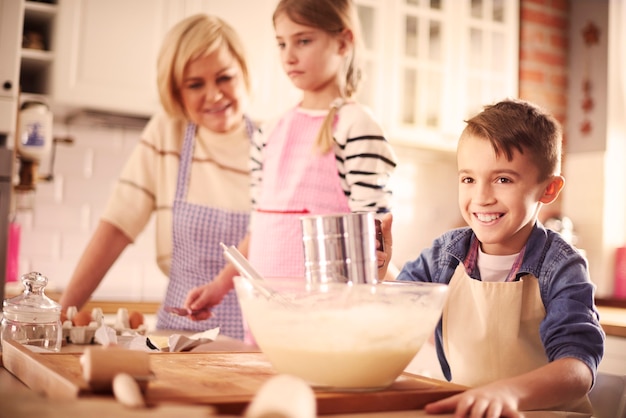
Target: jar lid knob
[34, 282]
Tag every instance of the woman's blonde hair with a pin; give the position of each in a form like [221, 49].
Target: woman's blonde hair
[334, 17]
[194, 37]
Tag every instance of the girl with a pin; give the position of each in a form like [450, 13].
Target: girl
[325, 155]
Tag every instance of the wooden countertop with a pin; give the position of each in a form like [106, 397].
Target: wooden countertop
[19, 401]
[613, 321]
[612, 316]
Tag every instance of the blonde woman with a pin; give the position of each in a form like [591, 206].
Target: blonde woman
[190, 169]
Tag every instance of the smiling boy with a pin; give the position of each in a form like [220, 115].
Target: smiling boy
[520, 326]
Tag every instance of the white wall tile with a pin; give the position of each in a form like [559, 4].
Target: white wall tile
[154, 283]
[39, 244]
[81, 191]
[96, 137]
[67, 210]
[60, 217]
[58, 273]
[73, 161]
[123, 282]
[73, 244]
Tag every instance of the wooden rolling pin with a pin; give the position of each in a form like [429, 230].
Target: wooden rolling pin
[102, 364]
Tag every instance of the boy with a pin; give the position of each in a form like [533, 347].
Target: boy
[520, 326]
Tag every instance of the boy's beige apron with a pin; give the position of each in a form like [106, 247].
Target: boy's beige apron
[491, 331]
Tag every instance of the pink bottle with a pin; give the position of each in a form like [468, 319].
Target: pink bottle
[13, 252]
[619, 286]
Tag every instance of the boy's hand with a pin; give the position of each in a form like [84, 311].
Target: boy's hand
[490, 401]
[557, 383]
[384, 256]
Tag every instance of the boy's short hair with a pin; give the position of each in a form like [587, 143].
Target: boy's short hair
[194, 37]
[519, 125]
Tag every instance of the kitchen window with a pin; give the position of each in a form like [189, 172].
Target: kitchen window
[430, 64]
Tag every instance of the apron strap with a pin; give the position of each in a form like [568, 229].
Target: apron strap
[186, 156]
[250, 127]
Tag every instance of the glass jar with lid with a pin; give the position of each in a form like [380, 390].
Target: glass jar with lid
[32, 318]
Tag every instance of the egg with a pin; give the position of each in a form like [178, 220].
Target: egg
[81, 319]
[135, 319]
[63, 317]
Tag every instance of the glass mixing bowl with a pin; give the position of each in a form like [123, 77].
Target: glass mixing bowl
[342, 336]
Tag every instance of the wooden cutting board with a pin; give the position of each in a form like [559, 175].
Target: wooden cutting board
[228, 381]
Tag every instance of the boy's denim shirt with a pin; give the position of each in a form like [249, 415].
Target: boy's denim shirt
[571, 327]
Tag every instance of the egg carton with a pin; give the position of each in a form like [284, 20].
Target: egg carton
[85, 334]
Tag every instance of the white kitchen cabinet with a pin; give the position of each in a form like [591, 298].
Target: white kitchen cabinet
[430, 64]
[37, 53]
[106, 52]
[11, 25]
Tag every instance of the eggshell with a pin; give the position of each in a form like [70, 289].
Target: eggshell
[135, 319]
[121, 320]
[127, 391]
[71, 311]
[81, 319]
[283, 396]
[97, 315]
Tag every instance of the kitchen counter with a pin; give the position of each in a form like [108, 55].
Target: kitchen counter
[612, 316]
[18, 400]
[613, 321]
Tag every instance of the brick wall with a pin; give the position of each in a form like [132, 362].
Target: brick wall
[543, 61]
